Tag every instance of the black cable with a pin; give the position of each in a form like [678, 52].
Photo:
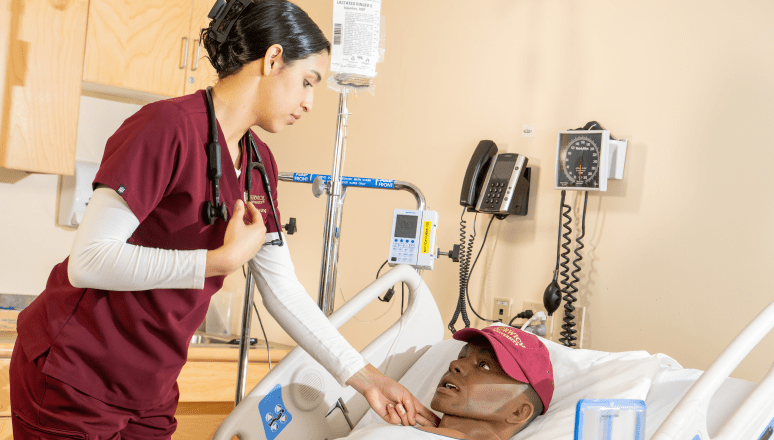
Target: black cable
[568, 335]
[473, 267]
[464, 258]
[565, 210]
[268, 351]
[265, 339]
[402, 296]
[380, 268]
[388, 294]
[523, 315]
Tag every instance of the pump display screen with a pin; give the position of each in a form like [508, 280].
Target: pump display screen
[406, 226]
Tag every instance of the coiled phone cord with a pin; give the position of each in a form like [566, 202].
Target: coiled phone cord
[464, 262]
[467, 281]
[568, 335]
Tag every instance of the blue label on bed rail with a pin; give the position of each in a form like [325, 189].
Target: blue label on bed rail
[365, 182]
[274, 413]
[698, 437]
[767, 433]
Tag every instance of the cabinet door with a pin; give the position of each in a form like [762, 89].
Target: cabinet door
[201, 73]
[41, 61]
[139, 44]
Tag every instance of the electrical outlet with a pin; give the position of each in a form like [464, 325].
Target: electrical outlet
[502, 309]
[554, 323]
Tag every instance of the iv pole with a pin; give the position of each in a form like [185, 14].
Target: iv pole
[330, 248]
[332, 232]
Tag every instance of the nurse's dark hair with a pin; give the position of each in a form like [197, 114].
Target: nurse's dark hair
[260, 25]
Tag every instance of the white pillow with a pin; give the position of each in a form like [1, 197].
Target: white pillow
[589, 374]
[578, 374]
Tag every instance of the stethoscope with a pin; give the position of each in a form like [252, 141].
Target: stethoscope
[215, 209]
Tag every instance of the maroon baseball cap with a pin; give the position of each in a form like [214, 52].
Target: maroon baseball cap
[522, 355]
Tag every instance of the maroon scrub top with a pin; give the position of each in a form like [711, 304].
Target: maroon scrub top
[127, 348]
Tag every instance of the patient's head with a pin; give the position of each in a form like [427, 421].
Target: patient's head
[500, 382]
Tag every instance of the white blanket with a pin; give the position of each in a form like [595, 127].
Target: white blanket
[578, 374]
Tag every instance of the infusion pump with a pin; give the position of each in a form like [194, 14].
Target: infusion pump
[412, 240]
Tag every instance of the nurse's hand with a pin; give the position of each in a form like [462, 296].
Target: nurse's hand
[245, 234]
[391, 400]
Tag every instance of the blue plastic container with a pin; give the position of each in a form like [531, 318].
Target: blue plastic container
[610, 419]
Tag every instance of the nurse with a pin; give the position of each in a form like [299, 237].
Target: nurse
[99, 351]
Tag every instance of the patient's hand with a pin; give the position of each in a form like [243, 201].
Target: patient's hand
[391, 400]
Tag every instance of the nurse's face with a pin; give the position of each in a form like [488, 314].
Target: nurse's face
[476, 387]
[287, 90]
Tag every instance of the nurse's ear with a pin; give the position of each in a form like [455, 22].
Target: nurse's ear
[272, 61]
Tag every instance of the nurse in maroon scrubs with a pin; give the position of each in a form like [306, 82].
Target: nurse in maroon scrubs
[99, 351]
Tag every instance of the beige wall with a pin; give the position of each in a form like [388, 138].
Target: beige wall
[678, 254]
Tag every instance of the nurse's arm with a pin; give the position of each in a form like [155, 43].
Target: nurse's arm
[295, 311]
[102, 259]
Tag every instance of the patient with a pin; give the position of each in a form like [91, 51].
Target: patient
[501, 381]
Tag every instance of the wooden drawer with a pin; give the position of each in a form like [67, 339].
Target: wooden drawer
[5, 389]
[216, 381]
[6, 430]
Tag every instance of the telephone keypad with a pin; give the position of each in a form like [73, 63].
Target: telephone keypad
[494, 195]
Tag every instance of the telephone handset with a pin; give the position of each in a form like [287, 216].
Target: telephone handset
[478, 165]
[496, 183]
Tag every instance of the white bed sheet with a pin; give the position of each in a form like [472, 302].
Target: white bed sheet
[585, 374]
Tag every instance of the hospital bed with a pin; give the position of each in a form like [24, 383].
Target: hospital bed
[298, 399]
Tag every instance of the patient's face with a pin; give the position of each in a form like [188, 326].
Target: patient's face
[476, 387]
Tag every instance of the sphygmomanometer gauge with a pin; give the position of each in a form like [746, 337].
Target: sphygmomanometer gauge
[581, 162]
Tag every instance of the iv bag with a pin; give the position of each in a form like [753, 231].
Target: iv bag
[358, 44]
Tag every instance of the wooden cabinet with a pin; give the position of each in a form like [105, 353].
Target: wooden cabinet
[147, 46]
[201, 74]
[40, 83]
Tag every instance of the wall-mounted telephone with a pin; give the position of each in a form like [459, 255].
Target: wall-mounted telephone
[496, 183]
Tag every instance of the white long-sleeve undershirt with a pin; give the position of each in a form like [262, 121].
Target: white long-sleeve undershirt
[102, 259]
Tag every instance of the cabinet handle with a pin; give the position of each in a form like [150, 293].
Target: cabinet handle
[185, 53]
[196, 63]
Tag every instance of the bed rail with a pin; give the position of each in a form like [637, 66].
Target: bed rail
[689, 418]
[315, 406]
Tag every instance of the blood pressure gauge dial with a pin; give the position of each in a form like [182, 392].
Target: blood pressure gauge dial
[586, 159]
[579, 159]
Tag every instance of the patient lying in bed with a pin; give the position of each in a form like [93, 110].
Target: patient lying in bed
[500, 382]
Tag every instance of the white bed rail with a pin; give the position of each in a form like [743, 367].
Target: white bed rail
[689, 418]
[309, 392]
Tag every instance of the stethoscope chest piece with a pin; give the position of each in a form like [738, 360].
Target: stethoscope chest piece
[212, 212]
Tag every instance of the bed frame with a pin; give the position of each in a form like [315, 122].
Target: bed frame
[313, 404]
[753, 420]
[301, 400]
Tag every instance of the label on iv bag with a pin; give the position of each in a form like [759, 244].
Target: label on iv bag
[356, 25]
